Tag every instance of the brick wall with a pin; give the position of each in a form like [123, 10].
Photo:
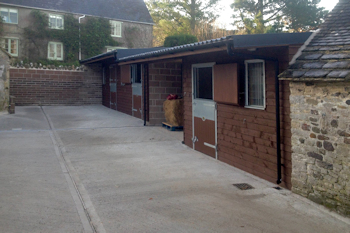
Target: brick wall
[164, 79]
[56, 87]
[321, 143]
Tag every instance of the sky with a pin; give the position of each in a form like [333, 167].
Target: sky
[225, 16]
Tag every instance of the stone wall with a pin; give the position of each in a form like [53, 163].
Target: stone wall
[4, 81]
[321, 143]
[56, 87]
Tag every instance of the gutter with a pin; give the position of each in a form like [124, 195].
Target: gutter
[230, 47]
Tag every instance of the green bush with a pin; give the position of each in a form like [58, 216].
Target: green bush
[179, 39]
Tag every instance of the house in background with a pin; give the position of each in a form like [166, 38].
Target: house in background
[131, 24]
[320, 113]
[235, 109]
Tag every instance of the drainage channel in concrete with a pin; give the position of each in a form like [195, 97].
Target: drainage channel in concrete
[87, 213]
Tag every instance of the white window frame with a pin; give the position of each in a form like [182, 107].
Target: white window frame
[111, 48]
[261, 107]
[56, 17]
[55, 57]
[194, 77]
[3, 42]
[113, 24]
[9, 10]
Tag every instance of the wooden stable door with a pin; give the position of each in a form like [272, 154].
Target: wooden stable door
[204, 110]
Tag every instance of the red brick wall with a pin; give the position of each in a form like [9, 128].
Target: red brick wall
[164, 79]
[53, 87]
[247, 137]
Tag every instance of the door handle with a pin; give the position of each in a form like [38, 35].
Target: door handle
[194, 139]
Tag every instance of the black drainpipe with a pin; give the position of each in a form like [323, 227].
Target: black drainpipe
[145, 78]
[230, 47]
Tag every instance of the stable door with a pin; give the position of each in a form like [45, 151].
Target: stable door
[204, 110]
[136, 78]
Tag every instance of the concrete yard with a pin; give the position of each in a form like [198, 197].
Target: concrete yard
[93, 169]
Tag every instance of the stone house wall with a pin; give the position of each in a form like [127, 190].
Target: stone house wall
[4, 81]
[134, 35]
[321, 143]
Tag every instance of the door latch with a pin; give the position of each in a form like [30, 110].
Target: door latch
[194, 139]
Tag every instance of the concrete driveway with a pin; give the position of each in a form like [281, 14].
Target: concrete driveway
[92, 169]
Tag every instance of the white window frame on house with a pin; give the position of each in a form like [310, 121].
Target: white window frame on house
[7, 18]
[56, 17]
[111, 48]
[55, 52]
[116, 28]
[6, 43]
[259, 89]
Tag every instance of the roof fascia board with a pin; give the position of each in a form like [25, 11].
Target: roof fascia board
[66, 12]
[98, 59]
[171, 56]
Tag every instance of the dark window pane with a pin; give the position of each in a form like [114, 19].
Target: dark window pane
[203, 83]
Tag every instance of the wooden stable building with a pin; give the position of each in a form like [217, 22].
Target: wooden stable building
[235, 109]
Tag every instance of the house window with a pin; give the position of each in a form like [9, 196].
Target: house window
[55, 51]
[9, 15]
[10, 45]
[116, 28]
[56, 21]
[255, 84]
[111, 48]
[135, 73]
[203, 82]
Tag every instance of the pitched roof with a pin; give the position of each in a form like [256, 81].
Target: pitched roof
[327, 56]
[128, 10]
[239, 41]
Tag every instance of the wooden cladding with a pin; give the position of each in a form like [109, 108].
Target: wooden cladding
[125, 74]
[226, 88]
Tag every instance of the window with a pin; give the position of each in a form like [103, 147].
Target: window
[55, 51]
[135, 73]
[9, 15]
[203, 82]
[116, 28]
[111, 48]
[56, 22]
[10, 45]
[255, 84]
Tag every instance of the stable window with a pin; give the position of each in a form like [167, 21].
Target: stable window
[203, 82]
[55, 51]
[116, 28]
[10, 45]
[9, 15]
[135, 71]
[56, 21]
[255, 84]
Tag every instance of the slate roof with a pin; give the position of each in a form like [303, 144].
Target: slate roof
[239, 41]
[327, 56]
[128, 10]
